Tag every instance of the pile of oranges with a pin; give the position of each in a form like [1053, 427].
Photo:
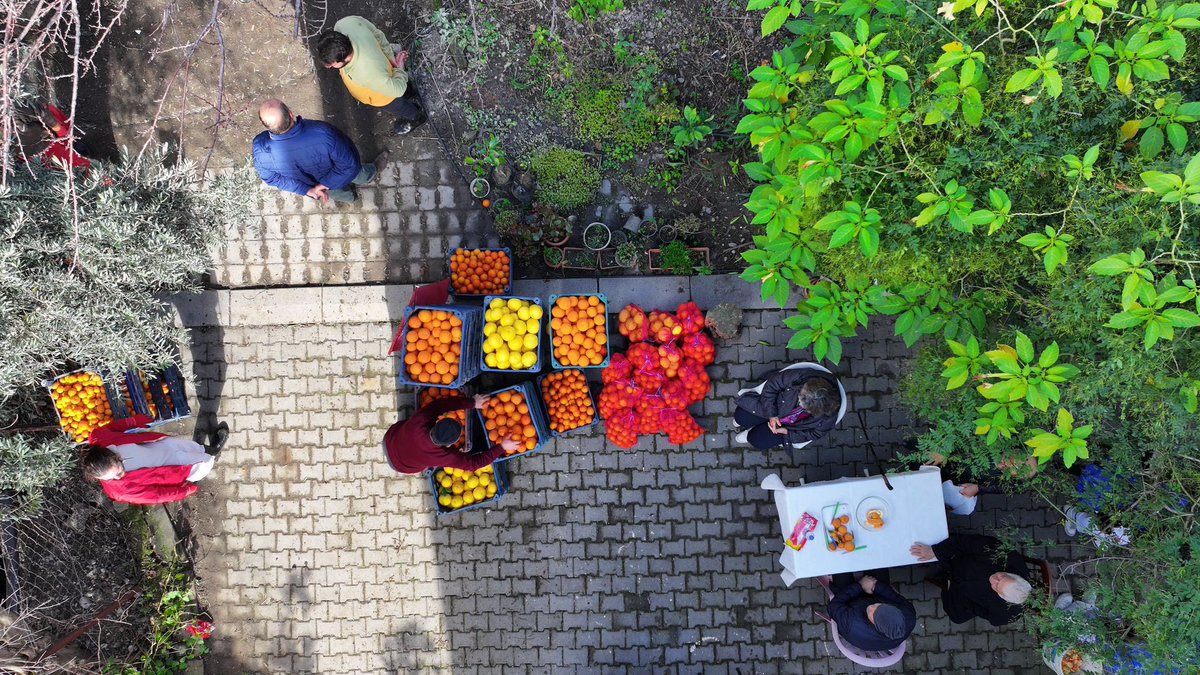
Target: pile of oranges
[458, 488]
[507, 415]
[434, 346]
[82, 404]
[840, 536]
[568, 403]
[579, 330]
[476, 272]
[428, 396]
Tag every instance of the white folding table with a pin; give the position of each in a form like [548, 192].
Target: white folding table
[915, 513]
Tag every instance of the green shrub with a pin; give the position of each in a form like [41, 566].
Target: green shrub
[566, 179]
[28, 464]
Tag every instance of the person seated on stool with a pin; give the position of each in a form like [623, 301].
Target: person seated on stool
[423, 441]
[976, 580]
[868, 613]
[795, 406]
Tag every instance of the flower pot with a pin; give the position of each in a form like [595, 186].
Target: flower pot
[618, 237]
[630, 263]
[608, 259]
[562, 260]
[579, 259]
[700, 258]
[596, 236]
[502, 174]
[480, 188]
[558, 243]
[666, 234]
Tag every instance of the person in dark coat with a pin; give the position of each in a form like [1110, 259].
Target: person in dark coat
[308, 157]
[796, 405]
[869, 614]
[976, 579]
[423, 441]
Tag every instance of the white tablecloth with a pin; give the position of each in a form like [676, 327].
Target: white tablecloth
[915, 513]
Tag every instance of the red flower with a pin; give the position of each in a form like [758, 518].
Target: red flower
[200, 629]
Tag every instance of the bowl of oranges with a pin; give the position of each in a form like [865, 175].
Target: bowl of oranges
[440, 345]
[458, 490]
[516, 413]
[579, 331]
[567, 400]
[480, 271]
[512, 334]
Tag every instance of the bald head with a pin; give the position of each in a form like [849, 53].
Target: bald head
[275, 116]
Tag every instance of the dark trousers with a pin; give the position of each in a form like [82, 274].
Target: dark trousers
[760, 436]
[845, 579]
[408, 107]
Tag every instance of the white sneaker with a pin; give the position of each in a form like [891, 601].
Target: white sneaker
[743, 437]
[743, 392]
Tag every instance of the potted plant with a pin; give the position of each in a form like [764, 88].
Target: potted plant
[689, 224]
[618, 237]
[506, 217]
[556, 230]
[579, 259]
[553, 257]
[676, 259]
[596, 236]
[480, 188]
[628, 255]
[666, 234]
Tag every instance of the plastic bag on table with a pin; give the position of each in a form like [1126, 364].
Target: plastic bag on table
[690, 318]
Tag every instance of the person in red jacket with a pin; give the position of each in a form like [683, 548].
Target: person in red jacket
[45, 132]
[423, 441]
[147, 468]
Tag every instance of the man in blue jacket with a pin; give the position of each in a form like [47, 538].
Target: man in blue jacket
[869, 614]
[308, 157]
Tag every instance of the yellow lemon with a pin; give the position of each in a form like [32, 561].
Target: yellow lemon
[487, 469]
[501, 359]
[532, 326]
[496, 303]
[456, 502]
[528, 360]
[523, 314]
[520, 327]
[506, 333]
[487, 347]
[535, 312]
[514, 304]
[530, 341]
[472, 483]
[516, 345]
[480, 493]
[490, 360]
[507, 320]
[491, 490]
[468, 498]
[484, 479]
[489, 328]
[446, 482]
[496, 340]
[457, 488]
[445, 500]
[439, 475]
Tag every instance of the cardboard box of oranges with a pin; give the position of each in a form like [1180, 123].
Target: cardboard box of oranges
[455, 491]
[515, 412]
[440, 345]
[476, 272]
[512, 333]
[568, 401]
[579, 331]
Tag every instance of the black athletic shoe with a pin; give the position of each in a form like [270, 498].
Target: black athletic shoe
[219, 435]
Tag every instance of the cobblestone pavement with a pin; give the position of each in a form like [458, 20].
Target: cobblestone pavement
[315, 557]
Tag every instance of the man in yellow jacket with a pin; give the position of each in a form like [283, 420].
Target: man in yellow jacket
[372, 70]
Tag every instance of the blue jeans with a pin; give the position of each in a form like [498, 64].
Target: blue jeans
[365, 175]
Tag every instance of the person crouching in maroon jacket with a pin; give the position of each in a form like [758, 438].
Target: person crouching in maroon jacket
[423, 442]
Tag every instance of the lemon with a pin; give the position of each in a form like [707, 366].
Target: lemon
[520, 327]
[501, 360]
[445, 500]
[496, 303]
[530, 341]
[439, 475]
[516, 345]
[490, 360]
[489, 328]
[532, 326]
[456, 502]
[496, 340]
[506, 333]
[468, 498]
[491, 490]
[457, 488]
[506, 320]
[472, 483]
[528, 360]
[446, 482]
[485, 479]
[523, 314]
[487, 469]
[515, 304]
[535, 312]
[480, 493]
[487, 347]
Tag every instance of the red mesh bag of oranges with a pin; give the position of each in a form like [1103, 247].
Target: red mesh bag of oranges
[82, 404]
[433, 346]
[579, 330]
[507, 415]
[568, 401]
[477, 272]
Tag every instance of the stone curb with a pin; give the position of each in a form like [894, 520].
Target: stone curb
[288, 306]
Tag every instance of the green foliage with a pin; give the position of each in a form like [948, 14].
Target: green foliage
[991, 188]
[693, 129]
[586, 10]
[460, 32]
[566, 179]
[490, 155]
[677, 259]
[28, 464]
[177, 633]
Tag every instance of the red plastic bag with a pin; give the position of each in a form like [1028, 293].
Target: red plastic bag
[701, 348]
[648, 422]
[675, 394]
[681, 428]
[619, 368]
[622, 429]
[643, 356]
[616, 396]
[663, 326]
[693, 376]
[690, 318]
[631, 323]
[669, 358]
[650, 380]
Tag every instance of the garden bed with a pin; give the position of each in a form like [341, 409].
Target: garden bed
[624, 119]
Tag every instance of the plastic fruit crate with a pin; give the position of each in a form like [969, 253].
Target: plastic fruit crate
[607, 333]
[168, 405]
[112, 394]
[546, 407]
[469, 354]
[536, 413]
[450, 271]
[500, 475]
[542, 323]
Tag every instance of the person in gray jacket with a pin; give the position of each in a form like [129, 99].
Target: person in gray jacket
[796, 405]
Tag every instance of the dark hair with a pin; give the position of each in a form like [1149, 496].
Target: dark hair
[98, 460]
[333, 47]
[820, 397]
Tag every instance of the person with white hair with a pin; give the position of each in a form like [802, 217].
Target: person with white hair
[977, 578]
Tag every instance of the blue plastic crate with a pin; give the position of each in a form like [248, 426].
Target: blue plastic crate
[118, 403]
[470, 357]
[450, 271]
[487, 300]
[546, 407]
[502, 485]
[536, 413]
[168, 407]
[607, 333]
